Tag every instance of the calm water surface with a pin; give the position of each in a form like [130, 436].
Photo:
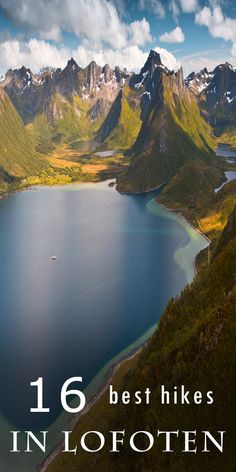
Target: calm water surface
[230, 175]
[118, 262]
[224, 150]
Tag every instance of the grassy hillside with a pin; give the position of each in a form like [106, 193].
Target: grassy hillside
[214, 218]
[18, 156]
[64, 120]
[122, 124]
[194, 345]
[229, 136]
[173, 135]
[192, 187]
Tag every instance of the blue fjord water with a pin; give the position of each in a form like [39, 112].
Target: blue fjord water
[119, 260]
[225, 151]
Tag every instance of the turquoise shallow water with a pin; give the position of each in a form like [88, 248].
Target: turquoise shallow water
[119, 259]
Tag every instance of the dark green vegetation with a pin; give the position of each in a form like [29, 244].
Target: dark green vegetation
[57, 111]
[175, 146]
[152, 116]
[194, 345]
[122, 124]
[213, 218]
[18, 155]
[47, 127]
[194, 342]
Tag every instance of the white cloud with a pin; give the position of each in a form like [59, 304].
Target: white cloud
[168, 59]
[139, 33]
[131, 57]
[174, 8]
[219, 25]
[34, 54]
[154, 6]
[200, 59]
[186, 6]
[189, 6]
[39, 53]
[174, 36]
[95, 22]
[233, 52]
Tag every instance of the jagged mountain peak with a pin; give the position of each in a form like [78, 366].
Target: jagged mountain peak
[216, 91]
[204, 71]
[172, 130]
[93, 68]
[223, 67]
[155, 57]
[153, 61]
[197, 82]
[108, 73]
[180, 76]
[221, 90]
[23, 73]
[92, 64]
[72, 65]
[144, 80]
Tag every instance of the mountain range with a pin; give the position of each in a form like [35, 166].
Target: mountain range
[216, 93]
[164, 130]
[167, 127]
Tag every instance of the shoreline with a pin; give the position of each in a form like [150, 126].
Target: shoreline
[179, 212]
[20, 189]
[184, 218]
[42, 467]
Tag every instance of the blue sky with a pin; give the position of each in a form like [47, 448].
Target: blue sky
[191, 33]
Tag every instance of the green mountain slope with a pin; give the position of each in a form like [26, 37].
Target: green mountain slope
[122, 124]
[228, 234]
[18, 157]
[172, 135]
[194, 346]
[63, 120]
[74, 101]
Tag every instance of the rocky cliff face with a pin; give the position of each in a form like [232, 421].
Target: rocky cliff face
[146, 82]
[154, 113]
[53, 90]
[33, 94]
[173, 134]
[198, 82]
[22, 87]
[216, 92]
